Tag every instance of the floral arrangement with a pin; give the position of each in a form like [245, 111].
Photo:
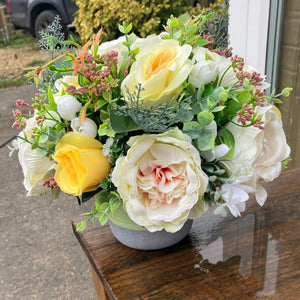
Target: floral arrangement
[156, 128]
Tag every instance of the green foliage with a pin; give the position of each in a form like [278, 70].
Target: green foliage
[106, 203]
[155, 118]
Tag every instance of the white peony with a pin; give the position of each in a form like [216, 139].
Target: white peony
[86, 128]
[161, 181]
[259, 153]
[67, 106]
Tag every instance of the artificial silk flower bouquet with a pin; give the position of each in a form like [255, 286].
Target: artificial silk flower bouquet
[156, 129]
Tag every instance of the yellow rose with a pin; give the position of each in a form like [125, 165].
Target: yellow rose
[161, 67]
[81, 164]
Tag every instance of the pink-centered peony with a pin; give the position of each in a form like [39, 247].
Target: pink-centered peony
[161, 181]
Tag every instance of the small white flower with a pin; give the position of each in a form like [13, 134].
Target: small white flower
[235, 196]
[107, 146]
[86, 128]
[67, 106]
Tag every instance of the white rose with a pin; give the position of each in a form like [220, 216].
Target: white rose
[114, 45]
[203, 72]
[86, 128]
[67, 106]
[161, 181]
[65, 80]
[223, 63]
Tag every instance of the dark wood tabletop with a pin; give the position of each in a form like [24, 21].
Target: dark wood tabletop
[256, 256]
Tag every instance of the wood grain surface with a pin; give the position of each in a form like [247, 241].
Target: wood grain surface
[255, 256]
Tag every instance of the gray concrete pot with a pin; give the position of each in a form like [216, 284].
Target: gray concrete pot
[145, 240]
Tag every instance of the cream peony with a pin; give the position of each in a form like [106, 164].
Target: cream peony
[161, 67]
[259, 152]
[87, 128]
[67, 106]
[161, 181]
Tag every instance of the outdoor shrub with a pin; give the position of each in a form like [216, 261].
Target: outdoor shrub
[146, 16]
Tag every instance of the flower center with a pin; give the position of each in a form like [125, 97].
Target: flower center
[160, 185]
[159, 62]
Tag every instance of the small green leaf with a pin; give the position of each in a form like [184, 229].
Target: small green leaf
[107, 95]
[50, 96]
[244, 97]
[81, 226]
[218, 108]
[43, 138]
[286, 91]
[121, 29]
[103, 218]
[228, 139]
[193, 129]
[205, 117]
[128, 28]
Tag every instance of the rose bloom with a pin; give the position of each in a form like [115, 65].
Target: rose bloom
[161, 181]
[81, 164]
[259, 152]
[65, 80]
[200, 55]
[114, 45]
[161, 67]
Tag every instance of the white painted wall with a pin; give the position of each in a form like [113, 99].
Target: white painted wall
[248, 30]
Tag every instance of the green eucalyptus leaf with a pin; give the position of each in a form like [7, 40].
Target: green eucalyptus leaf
[193, 129]
[205, 117]
[122, 123]
[205, 141]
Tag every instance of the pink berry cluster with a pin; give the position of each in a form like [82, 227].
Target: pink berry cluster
[247, 114]
[98, 71]
[238, 65]
[20, 123]
[50, 183]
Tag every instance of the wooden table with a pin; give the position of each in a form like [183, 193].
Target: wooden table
[256, 256]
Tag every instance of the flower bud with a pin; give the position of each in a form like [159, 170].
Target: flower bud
[203, 71]
[86, 128]
[67, 106]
